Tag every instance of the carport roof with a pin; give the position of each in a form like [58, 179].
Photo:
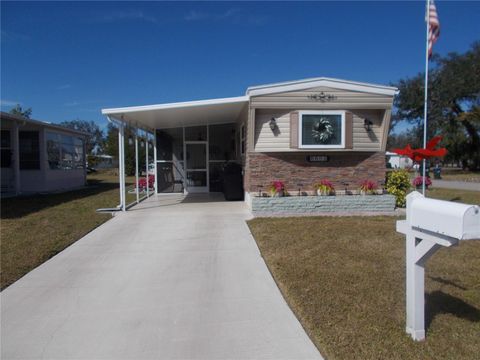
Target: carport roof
[190, 113]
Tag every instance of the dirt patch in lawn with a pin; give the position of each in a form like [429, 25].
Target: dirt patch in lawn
[345, 280]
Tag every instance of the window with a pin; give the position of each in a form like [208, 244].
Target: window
[64, 152]
[243, 136]
[322, 129]
[29, 150]
[6, 150]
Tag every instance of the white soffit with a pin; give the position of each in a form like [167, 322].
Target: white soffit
[322, 81]
[191, 113]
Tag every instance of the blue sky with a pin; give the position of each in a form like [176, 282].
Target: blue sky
[67, 60]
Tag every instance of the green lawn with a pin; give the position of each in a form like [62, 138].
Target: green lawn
[460, 175]
[465, 196]
[344, 277]
[34, 228]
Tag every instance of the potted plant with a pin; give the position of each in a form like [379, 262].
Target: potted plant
[368, 187]
[324, 187]
[418, 182]
[277, 188]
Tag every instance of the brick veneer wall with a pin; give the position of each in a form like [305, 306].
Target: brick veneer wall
[293, 168]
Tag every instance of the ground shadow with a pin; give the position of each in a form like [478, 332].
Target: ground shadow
[447, 282]
[438, 302]
[204, 198]
[19, 206]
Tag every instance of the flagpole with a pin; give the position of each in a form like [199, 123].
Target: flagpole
[425, 106]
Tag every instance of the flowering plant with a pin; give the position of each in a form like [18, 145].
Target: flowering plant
[277, 187]
[368, 187]
[418, 181]
[142, 182]
[324, 187]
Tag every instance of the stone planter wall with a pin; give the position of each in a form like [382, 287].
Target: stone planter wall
[317, 205]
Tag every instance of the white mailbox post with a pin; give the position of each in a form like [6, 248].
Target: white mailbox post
[431, 224]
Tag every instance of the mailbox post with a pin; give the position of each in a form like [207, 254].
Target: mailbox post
[430, 224]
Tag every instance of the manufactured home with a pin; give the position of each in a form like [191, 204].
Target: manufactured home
[38, 157]
[298, 132]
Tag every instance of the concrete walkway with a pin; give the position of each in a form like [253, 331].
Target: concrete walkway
[459, 185]
[173, 278]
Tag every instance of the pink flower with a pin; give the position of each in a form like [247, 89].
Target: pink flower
[277, 186]
[142, 182]
[418, 181]
[368, 186]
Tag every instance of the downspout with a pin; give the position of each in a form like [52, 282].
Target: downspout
[120, 206]
[121, 148]
[136, 166]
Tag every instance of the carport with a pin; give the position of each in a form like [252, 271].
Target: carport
[191, 140]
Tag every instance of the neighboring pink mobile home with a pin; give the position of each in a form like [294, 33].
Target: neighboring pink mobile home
[37, 156]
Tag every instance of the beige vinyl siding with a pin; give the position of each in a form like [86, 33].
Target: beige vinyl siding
[343, 100]
[265, 139]
[268, 141]
[362, 139]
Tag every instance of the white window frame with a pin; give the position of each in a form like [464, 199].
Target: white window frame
[320, 112]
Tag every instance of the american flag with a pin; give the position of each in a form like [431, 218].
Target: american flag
[434, 27]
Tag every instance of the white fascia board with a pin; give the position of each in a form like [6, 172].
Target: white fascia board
[177, 105]
[315, 82]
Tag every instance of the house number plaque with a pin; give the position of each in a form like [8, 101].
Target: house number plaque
[317, 158]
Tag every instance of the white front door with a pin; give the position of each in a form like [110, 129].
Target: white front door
[196, 166]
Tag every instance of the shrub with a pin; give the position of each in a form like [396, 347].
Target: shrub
[398, 184]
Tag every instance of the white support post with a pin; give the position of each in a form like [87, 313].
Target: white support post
[136, 167]
[146, 161]
[415, 293]
[16, 158]
[121, 164]
[185, 190]
[155, 159]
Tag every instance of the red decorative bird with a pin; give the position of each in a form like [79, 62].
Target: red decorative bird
[420, 154]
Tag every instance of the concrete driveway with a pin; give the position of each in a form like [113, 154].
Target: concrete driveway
[173, 278]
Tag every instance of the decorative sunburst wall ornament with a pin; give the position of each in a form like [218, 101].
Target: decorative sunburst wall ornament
[322, 130]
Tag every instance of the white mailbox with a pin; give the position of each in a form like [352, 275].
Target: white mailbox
[431, 224]
[459, 221]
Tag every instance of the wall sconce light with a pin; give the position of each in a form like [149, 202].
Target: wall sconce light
[142, 143]
[130, 140]
[273, 124]
[367, 124]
